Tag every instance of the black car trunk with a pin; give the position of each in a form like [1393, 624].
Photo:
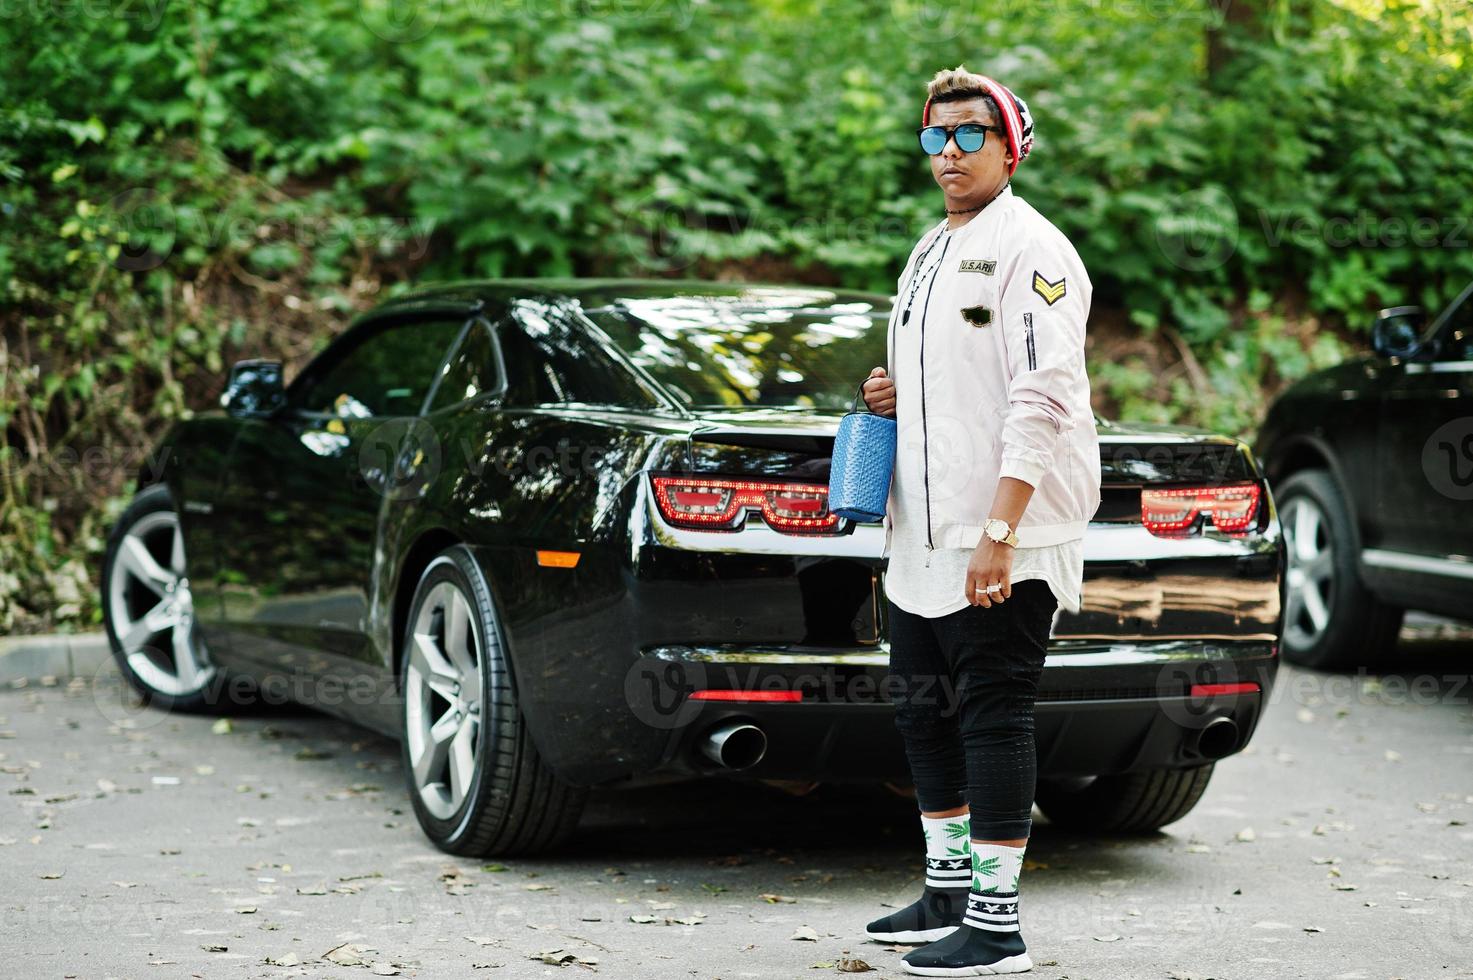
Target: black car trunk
[797, 444]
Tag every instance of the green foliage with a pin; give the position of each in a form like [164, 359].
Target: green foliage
[182, 184]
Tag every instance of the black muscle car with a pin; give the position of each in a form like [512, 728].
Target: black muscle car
[563, 534]
[1372, 462]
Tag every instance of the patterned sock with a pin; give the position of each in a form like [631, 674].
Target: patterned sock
[993, 902]
[948, 858]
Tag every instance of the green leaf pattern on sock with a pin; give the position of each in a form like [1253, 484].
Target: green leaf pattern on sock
[958, 829]
[984, 868]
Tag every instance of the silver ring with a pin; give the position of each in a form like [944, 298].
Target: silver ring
[995, 587]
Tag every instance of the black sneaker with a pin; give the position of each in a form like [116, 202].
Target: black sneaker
[936, 914]
[971, 951]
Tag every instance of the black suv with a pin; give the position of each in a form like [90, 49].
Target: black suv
[1372, 467]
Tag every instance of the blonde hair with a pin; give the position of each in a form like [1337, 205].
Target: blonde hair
[956, 83]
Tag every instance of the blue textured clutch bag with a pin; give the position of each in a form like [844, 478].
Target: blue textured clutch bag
[863, 461]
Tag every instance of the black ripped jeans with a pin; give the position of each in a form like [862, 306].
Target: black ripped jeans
[963, 693]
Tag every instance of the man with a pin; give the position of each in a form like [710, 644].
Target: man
[997, 475]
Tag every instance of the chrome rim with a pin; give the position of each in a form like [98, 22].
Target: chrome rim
[1310, 567]
[442, 699]
[152, 609]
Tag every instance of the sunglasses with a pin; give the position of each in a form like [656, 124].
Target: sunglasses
[969, 137]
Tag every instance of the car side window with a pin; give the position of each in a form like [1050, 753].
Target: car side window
[549, 361]
[472, 370]
[387, 370]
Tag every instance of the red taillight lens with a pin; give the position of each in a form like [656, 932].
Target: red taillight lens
[715, 695]
[1232, 508]
[716, 503]
[1219, 690]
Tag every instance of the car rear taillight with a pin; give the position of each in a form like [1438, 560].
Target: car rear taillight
[1232, 508]
[718, 503]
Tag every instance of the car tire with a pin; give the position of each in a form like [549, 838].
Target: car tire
[1331, 621]
[1128, 803]
[148, 611]
[475, 779]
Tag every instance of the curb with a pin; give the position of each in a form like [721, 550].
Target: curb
[59, 655]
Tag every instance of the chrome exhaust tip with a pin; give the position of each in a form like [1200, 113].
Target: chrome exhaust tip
[735, 745]
[1217, 739]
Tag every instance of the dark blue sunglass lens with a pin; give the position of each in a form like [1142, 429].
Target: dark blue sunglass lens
[969, 138]
[933, 139]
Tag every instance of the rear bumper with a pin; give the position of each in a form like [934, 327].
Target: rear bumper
[1101, 708]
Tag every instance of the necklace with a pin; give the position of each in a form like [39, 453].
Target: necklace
[967, 210]
[920, 274]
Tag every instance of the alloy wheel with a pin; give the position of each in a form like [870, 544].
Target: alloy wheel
[152, 608]
[1309, 573]
[442, 692]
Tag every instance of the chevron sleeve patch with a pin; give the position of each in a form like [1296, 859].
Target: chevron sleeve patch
[1051, 292]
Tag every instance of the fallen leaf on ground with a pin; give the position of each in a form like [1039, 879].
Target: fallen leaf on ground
[347, 954]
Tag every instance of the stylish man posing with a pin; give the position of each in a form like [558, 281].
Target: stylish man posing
[997, 475]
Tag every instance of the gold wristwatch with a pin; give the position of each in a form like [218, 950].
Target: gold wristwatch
[998, 530]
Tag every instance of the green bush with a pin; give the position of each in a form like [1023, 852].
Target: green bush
[236, 178]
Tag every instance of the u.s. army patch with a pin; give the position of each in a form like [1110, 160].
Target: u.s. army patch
[1051, 292]
[977, 316]
[985, 266]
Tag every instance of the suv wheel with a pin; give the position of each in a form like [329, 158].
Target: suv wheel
[476, 782]
[1330, 619]
[1129, 803]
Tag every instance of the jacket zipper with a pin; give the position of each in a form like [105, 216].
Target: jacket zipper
[925, 445]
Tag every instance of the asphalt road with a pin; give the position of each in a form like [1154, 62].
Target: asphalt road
[137, 844]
